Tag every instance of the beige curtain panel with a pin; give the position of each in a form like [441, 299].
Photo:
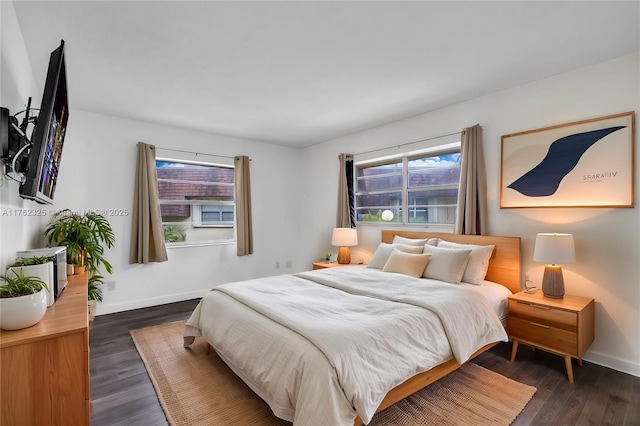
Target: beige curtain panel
[343, 217]
[471, 214]
[243, 205]
[147, 237]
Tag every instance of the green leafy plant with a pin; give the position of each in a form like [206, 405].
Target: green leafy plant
[327, 256]
[95, 292]
[29, 261]
[19, 285]
[84, 236]
[174, 234]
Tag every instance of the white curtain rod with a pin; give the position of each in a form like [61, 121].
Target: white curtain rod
[408, 143]
[196, 153]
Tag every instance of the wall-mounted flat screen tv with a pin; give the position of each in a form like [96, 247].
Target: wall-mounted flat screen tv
[48, 135]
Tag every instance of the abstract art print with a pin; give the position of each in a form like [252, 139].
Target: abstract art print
[587, 163]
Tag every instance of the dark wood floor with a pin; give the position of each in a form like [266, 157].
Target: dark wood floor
[122, 393]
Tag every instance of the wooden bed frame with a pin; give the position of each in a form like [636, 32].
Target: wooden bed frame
[504, 268]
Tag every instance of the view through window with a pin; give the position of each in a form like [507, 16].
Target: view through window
[196, 202]
[409, 189]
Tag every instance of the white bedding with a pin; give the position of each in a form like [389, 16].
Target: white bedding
[496, 294]
[335, 341]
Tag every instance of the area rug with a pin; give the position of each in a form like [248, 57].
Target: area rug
[199, 389]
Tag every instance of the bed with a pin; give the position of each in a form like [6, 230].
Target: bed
[336, 345]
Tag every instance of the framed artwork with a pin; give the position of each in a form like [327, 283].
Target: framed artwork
[587, 163]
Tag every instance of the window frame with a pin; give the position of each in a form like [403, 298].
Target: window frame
[196, 215]
[196, 204]
[404, 206]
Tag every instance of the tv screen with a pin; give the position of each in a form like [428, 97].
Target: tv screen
[48, 135]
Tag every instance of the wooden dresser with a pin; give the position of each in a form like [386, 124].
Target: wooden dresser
[44, 369]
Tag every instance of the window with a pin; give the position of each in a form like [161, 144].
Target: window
[197, 202]
[221, 215]
[421, 188]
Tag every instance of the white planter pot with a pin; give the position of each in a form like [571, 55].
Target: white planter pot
[24, 311]
[44, 272]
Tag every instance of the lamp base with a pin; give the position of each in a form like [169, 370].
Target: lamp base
[553, 282]
[344, 256]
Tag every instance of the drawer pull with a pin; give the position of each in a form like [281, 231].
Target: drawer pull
[534, 306]
[541, 307]
[539, 325]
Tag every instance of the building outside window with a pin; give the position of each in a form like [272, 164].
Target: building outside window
[421, 188]
[197, 202]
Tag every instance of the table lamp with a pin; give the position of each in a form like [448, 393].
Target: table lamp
[554, 249]
[343, 238]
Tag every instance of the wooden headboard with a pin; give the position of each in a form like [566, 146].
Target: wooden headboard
[504, 265]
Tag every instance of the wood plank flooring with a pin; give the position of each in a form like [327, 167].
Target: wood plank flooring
[122, 394]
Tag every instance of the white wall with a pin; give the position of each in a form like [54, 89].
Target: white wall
[97, 172]
[607, 240]
[16, 85]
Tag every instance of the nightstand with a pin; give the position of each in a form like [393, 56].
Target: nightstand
[324, 265]
[562, 326]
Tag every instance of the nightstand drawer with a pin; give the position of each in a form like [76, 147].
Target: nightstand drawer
[544, 314]
[543, 335]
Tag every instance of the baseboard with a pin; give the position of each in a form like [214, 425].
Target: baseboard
[104, 308]
[613, 363]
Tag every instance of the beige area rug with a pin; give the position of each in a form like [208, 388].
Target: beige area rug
[199, 389]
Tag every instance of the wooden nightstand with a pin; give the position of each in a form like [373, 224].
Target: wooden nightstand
[561, 326]
[324, 265]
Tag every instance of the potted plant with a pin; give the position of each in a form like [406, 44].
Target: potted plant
[85, 237]
[327, 257]
[23, 301]
[37, 266]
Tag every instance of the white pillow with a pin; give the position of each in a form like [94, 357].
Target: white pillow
[384, 250]
[415, 241]
[478, 260]
[406, 263]
[446, 264]
[434, 241]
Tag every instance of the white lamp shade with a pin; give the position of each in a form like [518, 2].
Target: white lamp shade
[344, 237]
[554, 248]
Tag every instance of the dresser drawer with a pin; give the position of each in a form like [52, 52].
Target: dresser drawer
[546, 315]
[543, 335]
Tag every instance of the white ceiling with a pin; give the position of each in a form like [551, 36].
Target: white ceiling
[300, 73]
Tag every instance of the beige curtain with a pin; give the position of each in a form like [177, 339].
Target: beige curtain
[471, 214]
[243, 205]
[345, 205]
[147, 237]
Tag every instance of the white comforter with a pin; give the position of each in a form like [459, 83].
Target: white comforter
[335, 341]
